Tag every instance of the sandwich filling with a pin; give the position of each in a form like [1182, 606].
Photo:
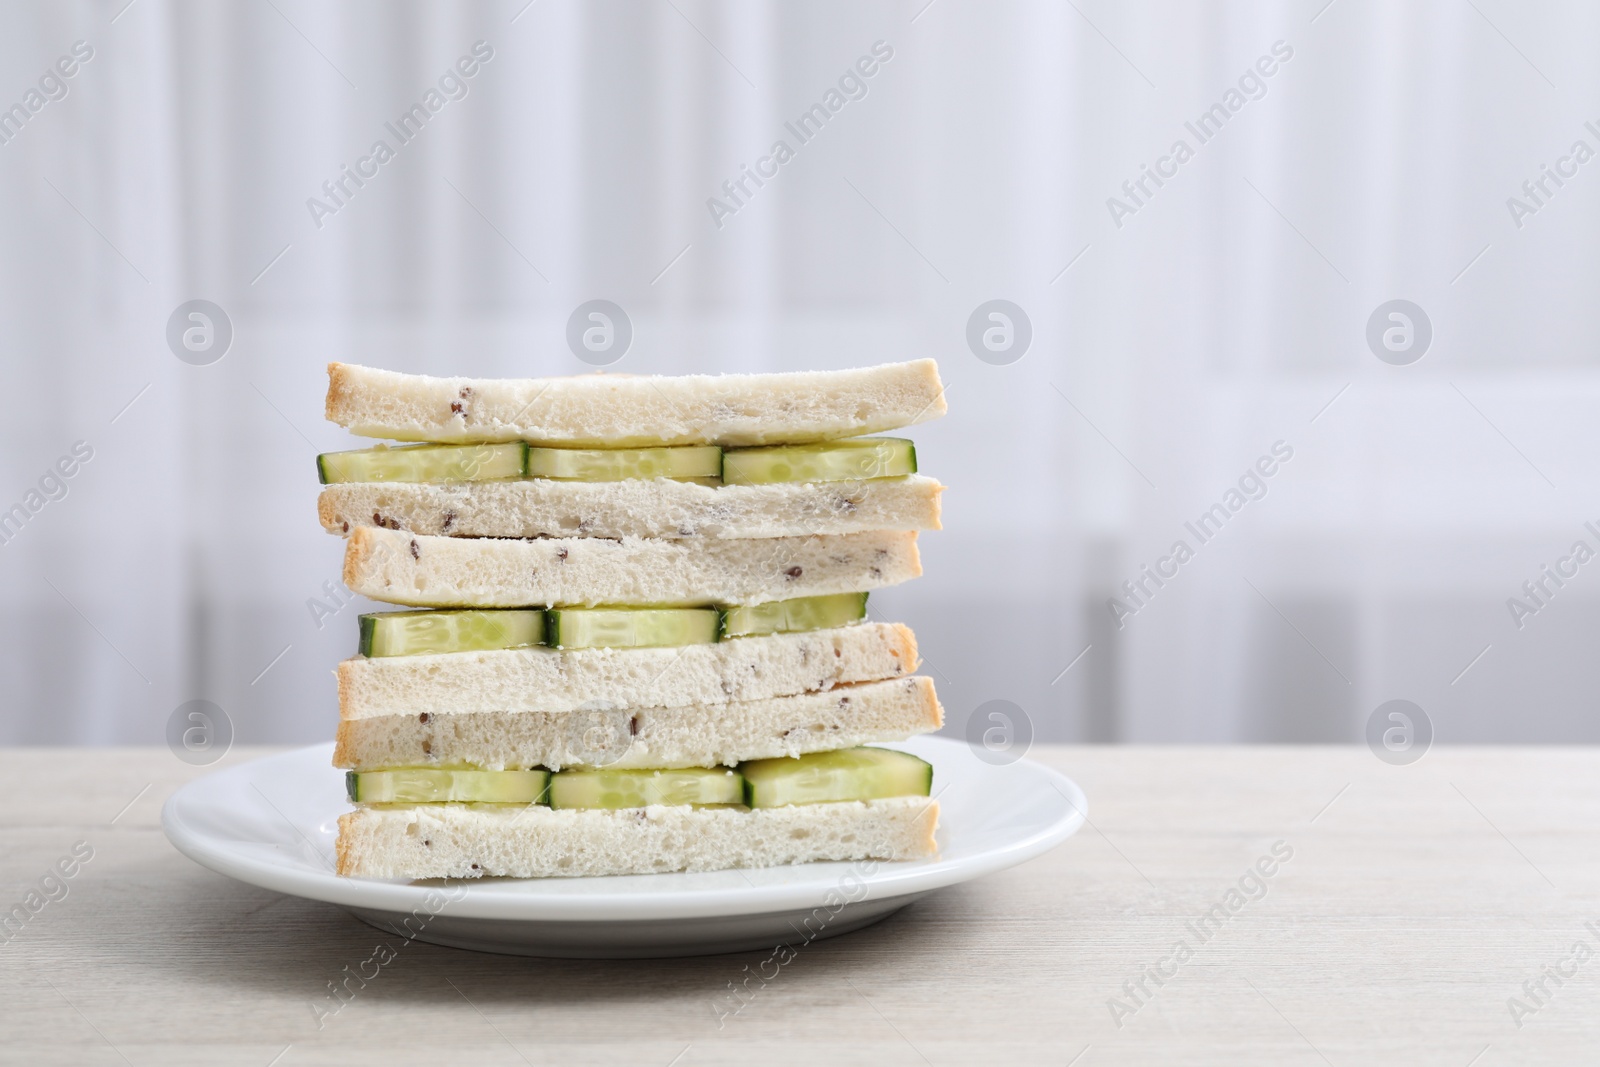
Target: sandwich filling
[854, 459]
[850, 774]
[411, 633]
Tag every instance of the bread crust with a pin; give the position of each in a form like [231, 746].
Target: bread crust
[339, 391]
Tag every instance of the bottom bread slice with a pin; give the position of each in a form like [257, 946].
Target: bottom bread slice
[471, 841]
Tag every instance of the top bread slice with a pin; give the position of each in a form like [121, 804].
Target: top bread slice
[625, 411]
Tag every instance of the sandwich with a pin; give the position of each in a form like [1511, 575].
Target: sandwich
[634, 635]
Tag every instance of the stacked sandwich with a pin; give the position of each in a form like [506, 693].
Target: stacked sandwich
[642, 642]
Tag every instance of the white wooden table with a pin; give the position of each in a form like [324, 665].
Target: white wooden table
[1416, 903]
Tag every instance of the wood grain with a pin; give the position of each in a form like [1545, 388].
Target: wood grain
[1416, 902]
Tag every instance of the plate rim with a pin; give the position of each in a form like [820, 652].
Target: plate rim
[482, 901]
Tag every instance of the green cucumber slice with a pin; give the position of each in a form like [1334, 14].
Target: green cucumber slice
[413, 633]
[638, 788]
[794, 616]
[629, 627]
[619, 464]
[425, 463]
[849, 460]
[826, 777]
[428, 785]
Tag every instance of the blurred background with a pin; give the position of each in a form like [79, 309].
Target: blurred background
[1188, 311]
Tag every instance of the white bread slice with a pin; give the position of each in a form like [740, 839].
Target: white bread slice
[423, 571]
[702, 735]
[470, 841]
[540, 507]
[620, 410]
[558, 680]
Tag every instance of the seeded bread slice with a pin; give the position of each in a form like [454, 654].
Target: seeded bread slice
[557, 680]
[540, 507]
[424, 571]
[470, 841]
[609, 735]
[620, 411]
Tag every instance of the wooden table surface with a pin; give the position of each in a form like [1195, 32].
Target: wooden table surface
[1414, 904]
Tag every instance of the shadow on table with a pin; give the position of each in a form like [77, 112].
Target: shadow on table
[207, 929]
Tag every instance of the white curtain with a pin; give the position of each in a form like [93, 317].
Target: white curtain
[1173, 345]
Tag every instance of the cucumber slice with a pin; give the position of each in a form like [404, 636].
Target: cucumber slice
[412, 633]
[825, 777]
[619, 464]
[637, 788]
[425, 463]
[629, 627]
[428, 785]
[794, 616]
[829, 461]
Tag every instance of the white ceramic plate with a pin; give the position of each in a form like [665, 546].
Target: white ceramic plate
[272, 823]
